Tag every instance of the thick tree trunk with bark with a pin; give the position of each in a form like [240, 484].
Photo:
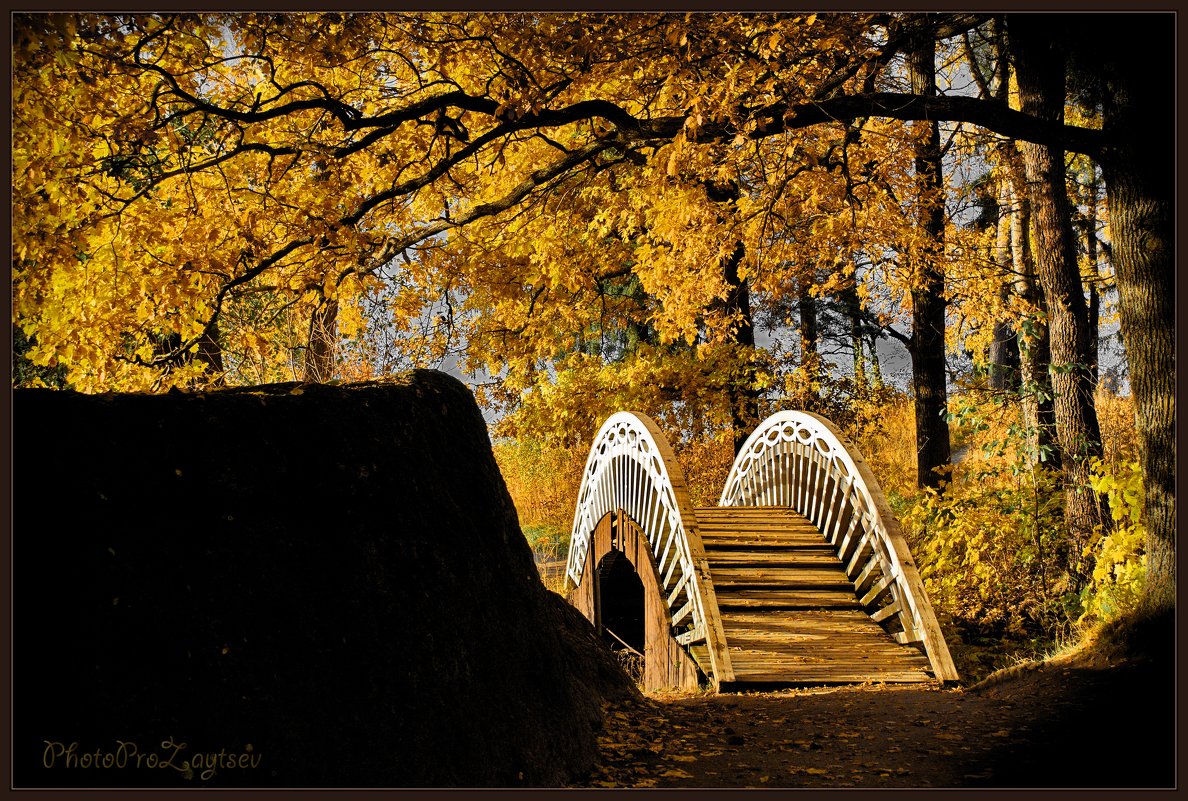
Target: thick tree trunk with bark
[1139, 106]
[1040, 67]
[928, 296]
[323, 341]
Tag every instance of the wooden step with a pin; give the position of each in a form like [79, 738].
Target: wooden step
[789, 612]
[806, 535]
[722, 524]
[749, 536]
[825, 623]
[734, 559]
[821, 647]
[785, 599]
[776, 678]
[757, 526]
[794, 576]
[745, 661]
[781, 567]
[759, 516]
[783, 545]
[762, 514]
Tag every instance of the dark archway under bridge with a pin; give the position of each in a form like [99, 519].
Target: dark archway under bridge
[666, 662]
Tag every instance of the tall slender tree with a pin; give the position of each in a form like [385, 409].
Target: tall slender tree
[928, 292]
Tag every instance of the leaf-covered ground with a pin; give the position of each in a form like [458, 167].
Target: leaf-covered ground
[1073, 723]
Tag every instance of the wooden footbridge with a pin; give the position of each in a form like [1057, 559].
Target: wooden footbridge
[800, 576]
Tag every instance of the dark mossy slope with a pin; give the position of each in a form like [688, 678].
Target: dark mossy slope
[334, 576]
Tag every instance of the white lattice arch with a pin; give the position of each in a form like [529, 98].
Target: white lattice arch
[631, 470]
[800, 460]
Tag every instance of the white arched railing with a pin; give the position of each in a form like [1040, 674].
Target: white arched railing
[800, 460]
[631, 470]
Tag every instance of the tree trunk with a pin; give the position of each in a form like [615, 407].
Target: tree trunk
[1034, 353]
[1094, 336]
[1094, 321]
[323, 340]
[1039, 65]
[1004, 348]
[1035, 386]
[928, 298]
[210, 353]
[1004, 353]
[810, 359]
[744, 396]
[1138, 113]
[1003, 356]
[876, 373]
[853, 308]
[743, 391]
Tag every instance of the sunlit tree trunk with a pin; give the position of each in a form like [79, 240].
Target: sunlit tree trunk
[322, 344]
[990, 70]
[1094, 335]
[1034, 352]
[1026, 348]
[1039, 65]
[928, 298]
[1004, 348]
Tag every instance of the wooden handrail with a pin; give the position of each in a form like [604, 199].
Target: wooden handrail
[800, 460]
[631, 469]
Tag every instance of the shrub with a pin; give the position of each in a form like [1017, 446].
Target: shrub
[543, 482]
[1120, 563]
[991, 544]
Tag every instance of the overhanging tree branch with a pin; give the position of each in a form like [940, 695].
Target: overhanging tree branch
[396, 244]
[781, 117]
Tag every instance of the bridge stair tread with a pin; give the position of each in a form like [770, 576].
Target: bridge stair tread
[789, 612]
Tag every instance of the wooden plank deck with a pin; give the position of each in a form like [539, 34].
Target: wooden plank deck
[790, 615]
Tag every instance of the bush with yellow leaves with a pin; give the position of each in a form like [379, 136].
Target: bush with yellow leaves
[1119, 560]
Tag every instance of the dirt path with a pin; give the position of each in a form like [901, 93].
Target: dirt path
[1051, 727]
